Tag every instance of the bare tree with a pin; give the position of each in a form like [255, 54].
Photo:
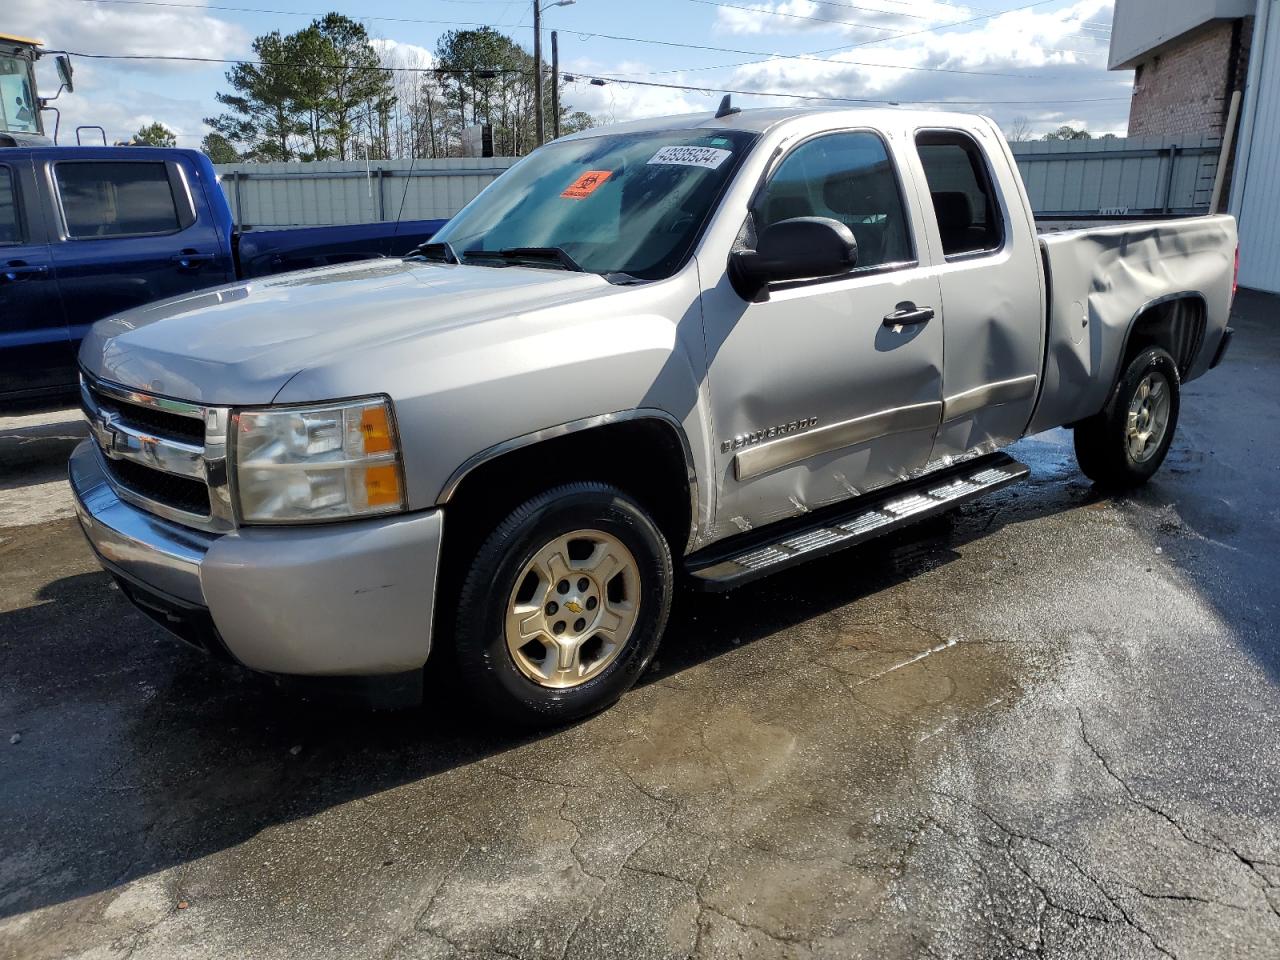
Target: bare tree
[1019, 130]
[474, 76]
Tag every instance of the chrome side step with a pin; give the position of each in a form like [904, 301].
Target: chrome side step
[752, 555]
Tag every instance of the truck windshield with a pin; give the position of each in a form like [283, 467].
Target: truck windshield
[19, 112]
[630, 205]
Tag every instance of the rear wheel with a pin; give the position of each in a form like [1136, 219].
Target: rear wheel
[564, 605]
[1125, 444]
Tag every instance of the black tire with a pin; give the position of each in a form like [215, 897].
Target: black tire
[1102, 442]
[481, 654]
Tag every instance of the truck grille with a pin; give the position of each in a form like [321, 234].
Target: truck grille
[163, 455]
[180, 493]
[161, 422]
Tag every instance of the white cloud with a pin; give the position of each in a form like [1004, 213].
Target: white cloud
[118, 95]
[618, 101]
[1022, 55]
[93, 28]
[1052, 53]
[868, 20]
[393, 53]
[113, 100]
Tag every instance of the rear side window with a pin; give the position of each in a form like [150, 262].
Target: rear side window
[10, 227]
[847, 177]
[105, 199]
[964, 200]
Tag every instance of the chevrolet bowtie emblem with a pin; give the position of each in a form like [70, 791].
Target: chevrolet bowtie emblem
[573, 606]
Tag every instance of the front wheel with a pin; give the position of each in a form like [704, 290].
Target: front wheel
[1124, 445]
[564, 605]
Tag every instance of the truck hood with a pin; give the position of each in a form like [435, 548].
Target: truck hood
[241, 343]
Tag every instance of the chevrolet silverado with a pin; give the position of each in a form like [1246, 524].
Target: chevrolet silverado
[704, 346]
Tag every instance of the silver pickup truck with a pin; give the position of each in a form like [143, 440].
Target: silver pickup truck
[703, 346]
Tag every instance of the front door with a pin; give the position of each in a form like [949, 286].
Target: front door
[132, 233]
[35, 350]
[817, 393]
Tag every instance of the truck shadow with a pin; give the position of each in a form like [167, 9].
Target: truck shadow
[137, 755]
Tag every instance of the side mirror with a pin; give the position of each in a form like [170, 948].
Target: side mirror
[65, 72]
[802, 248]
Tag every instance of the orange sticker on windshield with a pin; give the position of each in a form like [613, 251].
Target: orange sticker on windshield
[586, 184]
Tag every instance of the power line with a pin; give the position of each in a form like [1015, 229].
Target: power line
[479, 71]
[941, 26]
[940, 3]
[863, 100]
[627, 79]
[800, 16]
[850, 46]
[853, 23]
[197, 8]
[799, 56]
[807, 58]
[605, 78]
[847, 6]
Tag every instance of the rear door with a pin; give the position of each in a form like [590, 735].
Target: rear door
[988, 261]
[132, 231]
[35, 349]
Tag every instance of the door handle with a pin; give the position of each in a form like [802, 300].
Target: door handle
[191, 259]
[16, 270]
[908, 314]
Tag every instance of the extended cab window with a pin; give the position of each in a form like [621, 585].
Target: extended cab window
[10, 228]
[105, 199]
[847, 177]
[964, 200]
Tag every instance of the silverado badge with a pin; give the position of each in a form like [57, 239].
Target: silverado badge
[767, 433]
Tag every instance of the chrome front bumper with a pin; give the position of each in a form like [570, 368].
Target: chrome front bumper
[351, 598]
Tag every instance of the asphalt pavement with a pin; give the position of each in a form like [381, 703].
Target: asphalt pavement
[1045, 725]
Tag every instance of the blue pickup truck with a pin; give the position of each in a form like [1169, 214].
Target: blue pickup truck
[87, 232]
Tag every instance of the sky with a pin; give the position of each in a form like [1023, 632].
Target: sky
[1009, 59]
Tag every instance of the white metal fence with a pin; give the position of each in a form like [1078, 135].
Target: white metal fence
[1138, 175]
[334, 191]
[1067, 179]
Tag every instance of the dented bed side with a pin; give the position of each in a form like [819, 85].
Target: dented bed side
[1103, 280]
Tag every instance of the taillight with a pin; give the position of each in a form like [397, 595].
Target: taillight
[1235, 276]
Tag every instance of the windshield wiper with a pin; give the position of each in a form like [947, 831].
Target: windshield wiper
[548, 255]
[436, 250]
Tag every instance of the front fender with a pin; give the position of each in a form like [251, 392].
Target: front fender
[467, 393]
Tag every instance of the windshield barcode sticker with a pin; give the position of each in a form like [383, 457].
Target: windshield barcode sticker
[708, 157]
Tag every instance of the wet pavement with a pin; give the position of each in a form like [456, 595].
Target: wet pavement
[1045, 725]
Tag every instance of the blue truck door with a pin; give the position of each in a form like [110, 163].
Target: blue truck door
[35, 348]
[132, 231]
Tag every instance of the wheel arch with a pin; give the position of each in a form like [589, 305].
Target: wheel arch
[1176, 322]
[644, 452]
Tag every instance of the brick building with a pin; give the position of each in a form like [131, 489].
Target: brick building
[1189, 58]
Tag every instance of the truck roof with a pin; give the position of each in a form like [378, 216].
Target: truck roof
[14, 38]
[46, 148]
[758, 120]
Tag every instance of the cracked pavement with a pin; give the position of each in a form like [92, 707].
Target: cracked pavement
[1044, 726]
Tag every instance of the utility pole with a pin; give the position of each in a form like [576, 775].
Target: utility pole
[555, 86]
[537, 72]
[539, 135]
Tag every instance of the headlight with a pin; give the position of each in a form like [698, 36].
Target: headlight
[295, 464]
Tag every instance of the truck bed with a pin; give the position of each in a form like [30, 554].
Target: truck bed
[1099, 278]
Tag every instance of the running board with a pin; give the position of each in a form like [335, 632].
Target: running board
[774, 548]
